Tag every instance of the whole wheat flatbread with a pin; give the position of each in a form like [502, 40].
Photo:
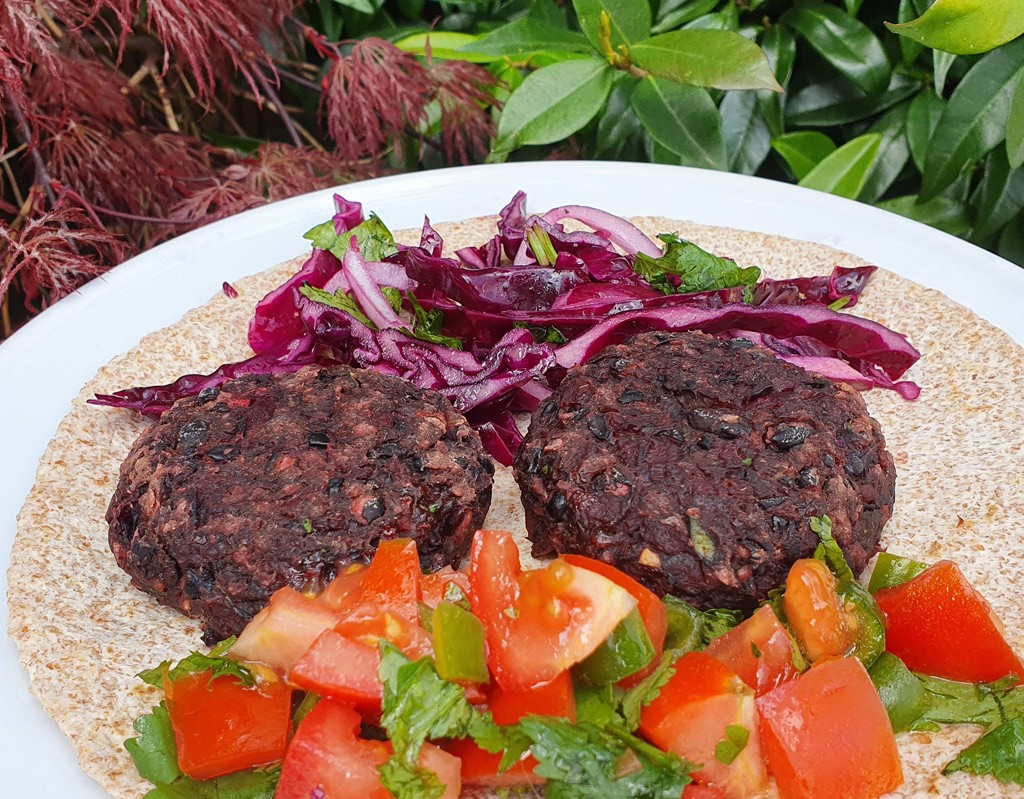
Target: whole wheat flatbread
[82, 631]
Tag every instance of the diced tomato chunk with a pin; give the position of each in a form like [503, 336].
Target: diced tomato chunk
[392, 580]
[348, 583]
[282, 632]
[826, 734]
[540, 622]
[937, 623]
[326, 759]
[555, 698]
[221, 726]
[815, 611]
[706, 714]
[436, 586]
[338, 667]
[696, 790]
[445, 765]
[652, 609]
[480, 768]
[759, 650]
[368, 623]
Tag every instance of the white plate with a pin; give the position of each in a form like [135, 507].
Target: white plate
[44, 365]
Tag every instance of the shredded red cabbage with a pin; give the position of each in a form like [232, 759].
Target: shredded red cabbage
[527, 304]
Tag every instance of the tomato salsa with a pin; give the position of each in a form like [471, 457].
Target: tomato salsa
[573, 680]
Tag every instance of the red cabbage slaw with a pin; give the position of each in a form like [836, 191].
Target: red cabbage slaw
[495, 326]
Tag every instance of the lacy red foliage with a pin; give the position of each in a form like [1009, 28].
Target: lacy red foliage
[216, 37]
[84, 88]
[371, 96]
[54, 253]
[463, 93]
[275, 171]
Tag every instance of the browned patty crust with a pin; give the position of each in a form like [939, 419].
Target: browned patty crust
[274, 481]
[694, 464]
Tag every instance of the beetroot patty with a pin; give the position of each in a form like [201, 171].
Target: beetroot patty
[694, 464]
[274, 481]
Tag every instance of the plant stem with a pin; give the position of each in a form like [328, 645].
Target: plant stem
[298, 80]
[286, 118]
[25, 132]
[92, 209]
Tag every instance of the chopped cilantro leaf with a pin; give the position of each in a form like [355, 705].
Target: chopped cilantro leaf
[154, 751]
[583, 761]
[340, 300]
[215, 662]
[838, 305]
[543, 334]
[636, 698]
[697, 269]
[393, 296]
[987, 704]
[251, 784]
[419, 706]
[999, 752]
[372, 236]
[734, 742]
[828, 551]
[427, 325]
[307, 525]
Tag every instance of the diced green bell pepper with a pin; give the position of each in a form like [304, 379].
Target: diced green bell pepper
[901, 692]
[892, 570]
[627, 650]
[460, 652]
[865, 616]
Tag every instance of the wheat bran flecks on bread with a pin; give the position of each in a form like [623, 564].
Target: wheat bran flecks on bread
[83, 632]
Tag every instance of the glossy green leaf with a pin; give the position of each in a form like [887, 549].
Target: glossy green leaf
[893, 154]
[965, 27]
[909, 49]
[657, 154]
[1015, 125]
[999, 196]
[728, 19]
[618, 123]
[845, 171]
[673, 14]
[710, 58]
[549, 11]
[922, 118]
[779, 47]
[941, 62]
[630, 20]
[746, 134]
[683, 119]
[1011, 241]
[975, 118]
[362, 6]
[526, 36]
[449, 45]
[845, 43]
[803, 150]
[853, 6]
[836, 102]
[944, 213]
[554, 103]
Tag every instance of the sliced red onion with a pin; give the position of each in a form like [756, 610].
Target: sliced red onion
[366, 291]
[625, 234]
[853, 336]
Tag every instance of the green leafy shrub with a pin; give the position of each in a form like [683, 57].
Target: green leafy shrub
[126, 122]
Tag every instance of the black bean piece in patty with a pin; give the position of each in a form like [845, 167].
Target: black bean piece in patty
[285, 480]
[703, 482]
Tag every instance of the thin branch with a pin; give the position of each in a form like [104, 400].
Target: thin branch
[299, 80]
[165, 101]
[42, 175]
[92, 209]
[280, 110]
[309, 137]
[14, 183]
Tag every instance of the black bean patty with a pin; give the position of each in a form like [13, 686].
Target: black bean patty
[275, 481]
[694, 464]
